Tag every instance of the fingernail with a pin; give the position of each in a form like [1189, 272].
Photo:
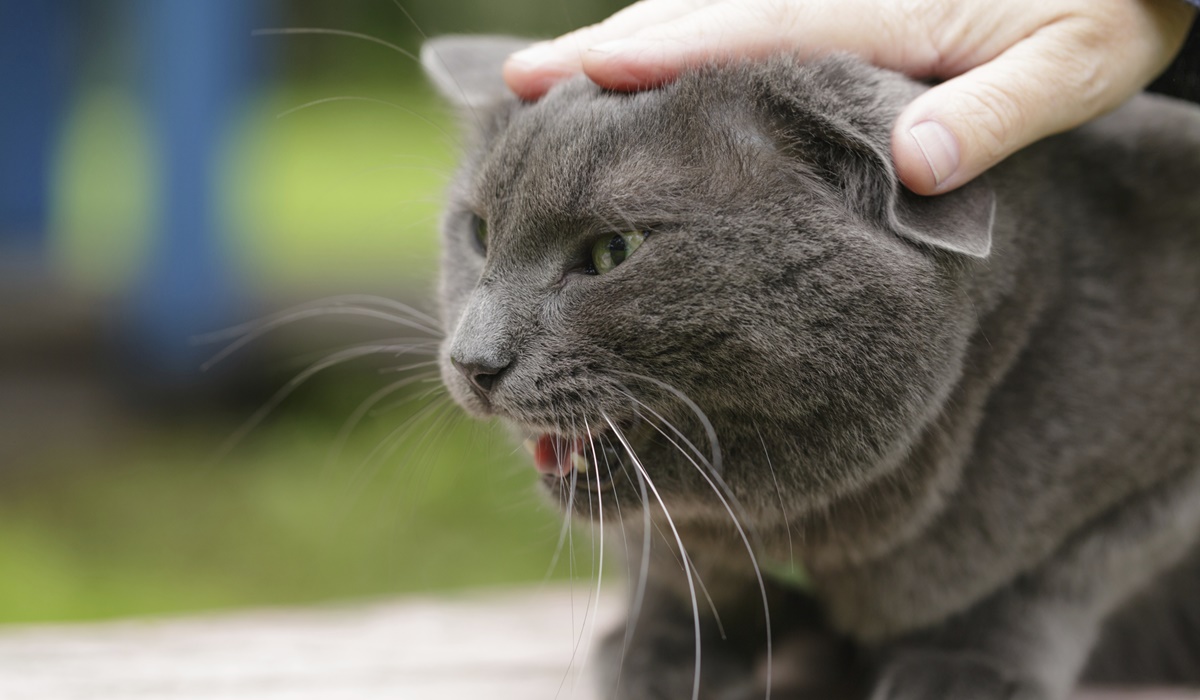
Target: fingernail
[541, 53]
[939, 147]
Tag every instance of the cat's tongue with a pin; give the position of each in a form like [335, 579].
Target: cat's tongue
[554, 455]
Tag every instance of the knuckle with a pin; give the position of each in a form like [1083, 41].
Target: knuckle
[994, 115]
[917, 26]
[1080, 65]
[915, 33]
[929, 14]
[774, 13]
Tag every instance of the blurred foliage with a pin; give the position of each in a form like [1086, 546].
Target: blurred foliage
[419, 499]
[323, 185]
[339, 194]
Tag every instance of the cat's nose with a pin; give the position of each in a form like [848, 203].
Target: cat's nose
[482, 375]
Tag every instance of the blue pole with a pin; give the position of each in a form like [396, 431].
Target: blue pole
[198, 61]
[35, 46]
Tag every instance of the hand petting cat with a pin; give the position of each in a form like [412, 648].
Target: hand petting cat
[1014, 71]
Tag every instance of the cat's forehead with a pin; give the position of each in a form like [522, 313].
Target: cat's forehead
[584, 152]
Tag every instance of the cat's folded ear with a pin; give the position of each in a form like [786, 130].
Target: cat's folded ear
[837, 115]
[466, 69]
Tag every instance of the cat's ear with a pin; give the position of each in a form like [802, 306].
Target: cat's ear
[466, 70]
[837, 115]
[960, 221]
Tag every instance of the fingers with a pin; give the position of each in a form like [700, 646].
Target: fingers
[1031, 69]
[1059, 77]
[530, 73]
[956, 130]
[650, 42]
[753, 29]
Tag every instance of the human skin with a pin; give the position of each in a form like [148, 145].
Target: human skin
[1010, 72]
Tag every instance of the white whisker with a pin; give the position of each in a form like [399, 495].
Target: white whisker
[728, 504]
[635, 610]
[687, 566]
[262, 328]
[361, 412]
[339, 300]
[396, 437]
[787, 521]
[715, 460]
[296, 382]
[285, 31]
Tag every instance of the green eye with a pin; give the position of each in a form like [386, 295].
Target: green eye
[609, 252]
[480, 233]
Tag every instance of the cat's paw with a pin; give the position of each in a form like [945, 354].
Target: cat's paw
[947, 675]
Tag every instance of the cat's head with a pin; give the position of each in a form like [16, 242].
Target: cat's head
[718, 278]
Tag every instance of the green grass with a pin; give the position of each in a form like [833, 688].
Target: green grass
[159, 526]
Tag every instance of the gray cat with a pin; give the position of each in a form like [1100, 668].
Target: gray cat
[726, 329]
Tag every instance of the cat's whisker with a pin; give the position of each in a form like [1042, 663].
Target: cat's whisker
[568, 510]
[404, 346]
[291, 31]
[571, 556]
[723, 492]
[787, 520]
[596, 560]
[420, 349]
[710, 431]
[450, 74]
[625, 549]
[361, 412]
[600, 547]
[643, 576]
[396, 437]
[441, 421]
[367, 470]
[259, 329]
[410, 475]
[336, 301]
[453, 140]
[644, 477]
[729, 502]
[337, 358]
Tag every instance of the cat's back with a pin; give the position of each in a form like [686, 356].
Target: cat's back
[1121, 198]
[1135, 173]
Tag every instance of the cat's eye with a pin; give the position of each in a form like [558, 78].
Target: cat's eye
[610, 251]
[479, 232]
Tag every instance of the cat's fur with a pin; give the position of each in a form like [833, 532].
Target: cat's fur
[974, 419]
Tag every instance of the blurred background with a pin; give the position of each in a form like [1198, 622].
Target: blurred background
[165, 174]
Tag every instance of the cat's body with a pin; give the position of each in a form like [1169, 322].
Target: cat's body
[975, 420]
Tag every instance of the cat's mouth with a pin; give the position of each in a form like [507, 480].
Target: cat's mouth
[588, 462]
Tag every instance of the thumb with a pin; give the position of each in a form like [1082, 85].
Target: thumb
[960, 128]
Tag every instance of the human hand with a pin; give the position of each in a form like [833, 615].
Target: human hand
[1015, 71]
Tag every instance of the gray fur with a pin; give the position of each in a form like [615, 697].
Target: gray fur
[980, 411]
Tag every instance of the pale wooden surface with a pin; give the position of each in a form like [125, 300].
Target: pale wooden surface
[486, 647]
[492, 646]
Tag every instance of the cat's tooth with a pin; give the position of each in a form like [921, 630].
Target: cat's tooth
[530, 446]
[579, 462]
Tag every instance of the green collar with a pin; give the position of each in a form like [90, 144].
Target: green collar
[788, 572]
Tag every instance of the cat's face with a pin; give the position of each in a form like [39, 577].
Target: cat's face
[661, 288]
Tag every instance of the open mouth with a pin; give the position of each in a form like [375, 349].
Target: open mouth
[590, 463]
